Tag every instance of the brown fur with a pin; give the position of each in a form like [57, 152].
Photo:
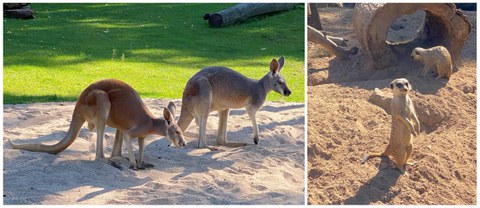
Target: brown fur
[220, 89]
[436, 57]
[405, 124]
[114, 103]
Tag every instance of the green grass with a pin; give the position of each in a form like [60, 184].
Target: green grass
[155, 48]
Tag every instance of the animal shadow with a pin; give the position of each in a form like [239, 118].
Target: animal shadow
[377, 188]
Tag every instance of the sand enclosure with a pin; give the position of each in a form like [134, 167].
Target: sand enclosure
[343, 126]
[269, 173]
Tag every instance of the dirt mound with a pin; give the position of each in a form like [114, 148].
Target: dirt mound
[346, 121]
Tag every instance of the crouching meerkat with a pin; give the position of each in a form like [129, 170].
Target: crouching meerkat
[437, 57]
[405, 124]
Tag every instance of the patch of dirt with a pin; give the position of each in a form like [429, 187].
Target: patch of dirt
[271, 172]
[344, 126]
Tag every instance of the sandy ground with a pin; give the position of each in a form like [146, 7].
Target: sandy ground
[269, 173]
[343, 126]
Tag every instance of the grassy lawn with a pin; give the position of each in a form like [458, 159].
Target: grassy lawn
[155, 48]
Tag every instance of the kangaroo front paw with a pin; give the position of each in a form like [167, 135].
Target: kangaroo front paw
[255, 140]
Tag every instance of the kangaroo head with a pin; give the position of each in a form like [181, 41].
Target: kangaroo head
[275, 80]
[174, 132]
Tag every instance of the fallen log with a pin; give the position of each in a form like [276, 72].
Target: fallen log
[337, 40]
[443, 25]
[317, 37]
[242, 12]
[18, 11]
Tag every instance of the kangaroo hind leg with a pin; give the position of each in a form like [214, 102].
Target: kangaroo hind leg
[100, 105]
[201, 109]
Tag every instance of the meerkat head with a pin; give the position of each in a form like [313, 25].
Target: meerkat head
[400, 86]
[416, 53]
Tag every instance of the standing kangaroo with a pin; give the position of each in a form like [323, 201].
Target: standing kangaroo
[114, 103]
[220, 89]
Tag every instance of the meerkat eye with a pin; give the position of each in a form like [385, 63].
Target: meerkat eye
[406, 84]
[399, 85]
[416, 52]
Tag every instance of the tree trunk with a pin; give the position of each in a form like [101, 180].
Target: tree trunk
[242, 12]
[317, 37]
[443, 25]
[314, 17]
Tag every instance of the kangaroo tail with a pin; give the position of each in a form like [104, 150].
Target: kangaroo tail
[75, 126]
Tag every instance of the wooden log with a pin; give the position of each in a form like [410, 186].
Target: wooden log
[18, 11]
[337, 40]
[317, 37]
[241, 12]
[443, 25]
[25, 13]
[314, 17]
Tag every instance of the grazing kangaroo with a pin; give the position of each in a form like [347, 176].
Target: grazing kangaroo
[220, 89]
[114, 103]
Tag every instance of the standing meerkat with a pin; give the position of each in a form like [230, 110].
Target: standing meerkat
[437, 57]
[405, 124]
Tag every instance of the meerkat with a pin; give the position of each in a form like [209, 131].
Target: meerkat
[405, 125]
[437, 57]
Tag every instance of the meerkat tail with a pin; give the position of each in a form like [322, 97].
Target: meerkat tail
[72, 134]
[371, 156]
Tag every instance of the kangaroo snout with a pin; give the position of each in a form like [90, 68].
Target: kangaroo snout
[287, 92]
[181, 143]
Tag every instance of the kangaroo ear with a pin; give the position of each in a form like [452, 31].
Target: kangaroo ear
[274, 67]
[171, 107]
[281, 62]
[168, 116]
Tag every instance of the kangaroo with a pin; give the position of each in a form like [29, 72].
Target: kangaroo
[116, 104]
[220, 89]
